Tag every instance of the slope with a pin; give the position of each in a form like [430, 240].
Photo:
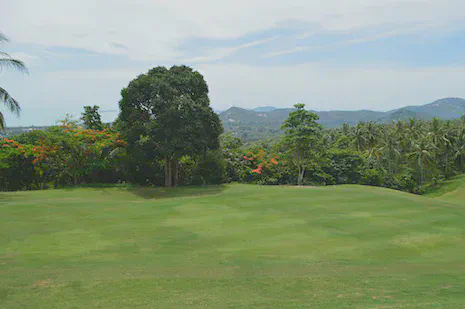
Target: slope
[235, 246]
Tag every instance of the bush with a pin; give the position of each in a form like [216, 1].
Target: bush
[210, 169]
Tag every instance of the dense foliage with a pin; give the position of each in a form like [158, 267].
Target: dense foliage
[6, 61]
[409, 156]
[91, 118]
[167, 134]
[167, 112]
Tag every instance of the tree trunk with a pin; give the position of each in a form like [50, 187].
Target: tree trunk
[421, 172]
[447, 166]
[167, 172]
[171, 172]
[174, 173]
[300, 177]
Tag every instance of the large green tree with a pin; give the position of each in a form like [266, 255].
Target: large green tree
[6, 61]
[168, 110]
[302, 138]
[91, 118]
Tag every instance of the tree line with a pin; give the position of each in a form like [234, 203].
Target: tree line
[167, 135]
[411, 155]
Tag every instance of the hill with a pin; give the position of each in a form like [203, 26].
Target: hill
[264, 109]
[253, 124]
[235, 246]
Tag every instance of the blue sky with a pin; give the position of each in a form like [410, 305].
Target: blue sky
[353, 54]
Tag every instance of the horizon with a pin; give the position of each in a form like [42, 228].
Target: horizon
[115, 112]
[359, 55]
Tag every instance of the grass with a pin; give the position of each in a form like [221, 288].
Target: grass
[235, 246]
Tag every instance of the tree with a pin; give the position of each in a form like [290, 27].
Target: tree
[422, 154]
[91, 118]
[359, 136]
[6, 61]
[169, 110]
[302, 134]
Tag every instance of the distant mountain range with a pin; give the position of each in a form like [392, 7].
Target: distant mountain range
[262, 120]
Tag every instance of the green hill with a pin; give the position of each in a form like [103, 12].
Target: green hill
[267, 121]
[449, 108]
[235, 246]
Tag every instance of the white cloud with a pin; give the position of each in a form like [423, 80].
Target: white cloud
[411, 29]
[220, 53]
[154, 29]
[25, 57]
[50, 96]
[330, 88]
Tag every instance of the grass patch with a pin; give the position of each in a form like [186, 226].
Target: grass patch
[234, 246]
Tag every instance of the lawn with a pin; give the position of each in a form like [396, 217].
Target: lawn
[234, 246]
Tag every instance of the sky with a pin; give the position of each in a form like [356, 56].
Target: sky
[330, 55]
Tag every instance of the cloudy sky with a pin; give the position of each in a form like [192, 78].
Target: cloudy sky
[332, 54]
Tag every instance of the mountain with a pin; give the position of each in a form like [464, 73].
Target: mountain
[449, 108]
[266, 121]
[264, 109]
[333, 119]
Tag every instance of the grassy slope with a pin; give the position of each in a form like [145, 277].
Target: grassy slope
[452, 191]
[238, 246]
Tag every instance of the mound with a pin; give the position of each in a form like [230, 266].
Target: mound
[237, 246]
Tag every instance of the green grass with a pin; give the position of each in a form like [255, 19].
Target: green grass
[451, 190]
[235, 246]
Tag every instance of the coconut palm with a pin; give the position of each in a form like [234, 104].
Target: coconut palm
[422, 154]
[459, 148]
[359, 136]
[7, 62]
[390, 149]
[372, 137]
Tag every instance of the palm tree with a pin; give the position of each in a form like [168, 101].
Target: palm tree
[7, 62]
[459, 148]
[390, 149]
[359, 136]
[372, 137]
[422, 154]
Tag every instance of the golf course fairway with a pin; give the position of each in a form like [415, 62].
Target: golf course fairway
[233, 246]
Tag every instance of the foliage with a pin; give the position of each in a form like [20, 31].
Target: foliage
[301, 137]
[91, 118]
[6, 61]
[65, 154]
[404, 155]
[169, 110]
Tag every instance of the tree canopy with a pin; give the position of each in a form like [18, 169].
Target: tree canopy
[91, 118]
[169, 110]
[6, 61]
[302, 134]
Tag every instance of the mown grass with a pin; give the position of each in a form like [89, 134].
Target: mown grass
[235, 246]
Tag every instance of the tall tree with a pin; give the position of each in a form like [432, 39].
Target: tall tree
[169, 110]
[302, 134]
[6, 61]
[422, 154]
[91, 118]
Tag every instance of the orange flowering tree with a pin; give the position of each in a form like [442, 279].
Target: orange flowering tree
[261, 166]
[16, 167]
[61, 155]
[76, 152]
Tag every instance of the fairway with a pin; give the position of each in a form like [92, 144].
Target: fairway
[232, 246]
